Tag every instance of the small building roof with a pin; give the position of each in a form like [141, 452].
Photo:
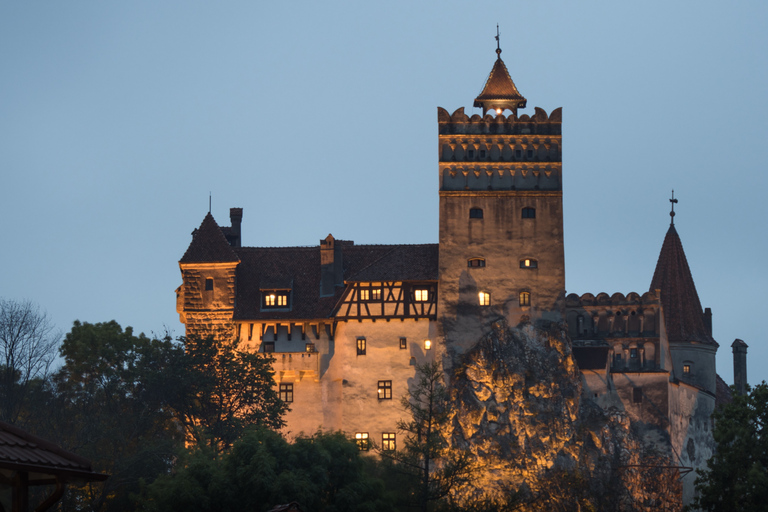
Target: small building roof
[209, 245]
[500, 91]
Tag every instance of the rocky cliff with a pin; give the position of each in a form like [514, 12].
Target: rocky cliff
[518, 409]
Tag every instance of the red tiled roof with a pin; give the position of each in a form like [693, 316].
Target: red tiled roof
[682, 309]
[299, 268]
[209, 245]
[21, 451]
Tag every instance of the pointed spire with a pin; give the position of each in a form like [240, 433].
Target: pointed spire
[500, 92]
[209, 245]
[682, 309]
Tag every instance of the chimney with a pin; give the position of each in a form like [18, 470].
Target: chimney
[740, 366]
[331, 269]
[708, 320]
[236, 217]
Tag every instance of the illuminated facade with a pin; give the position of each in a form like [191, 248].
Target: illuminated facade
[347, 323]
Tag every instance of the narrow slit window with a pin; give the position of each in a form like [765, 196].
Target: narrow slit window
[361, 346]
[529, 263]
[403, 343]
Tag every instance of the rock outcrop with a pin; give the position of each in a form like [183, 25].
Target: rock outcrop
[518, 409]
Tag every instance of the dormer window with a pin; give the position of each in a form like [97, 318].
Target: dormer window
[365, 294]
[476, 262]
[421, 294]
[275, 299]
[376, 294]
[529, 263]
[529, 213]
[475, 213]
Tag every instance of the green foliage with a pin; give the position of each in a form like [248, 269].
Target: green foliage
[736, 477]
[227, 390]
[320, 472]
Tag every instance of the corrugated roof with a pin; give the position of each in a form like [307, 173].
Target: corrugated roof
[683, 314]
[209, 245]
[21, 451]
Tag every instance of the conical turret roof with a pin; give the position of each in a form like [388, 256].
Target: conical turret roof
[500, 91]
[682, 309]
[209, 245]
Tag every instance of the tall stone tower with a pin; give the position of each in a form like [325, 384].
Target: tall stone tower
[501, 214]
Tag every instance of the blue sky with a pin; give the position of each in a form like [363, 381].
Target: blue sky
[118, 118]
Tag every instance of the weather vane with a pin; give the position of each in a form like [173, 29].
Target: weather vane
[498, 43]
[673, 201]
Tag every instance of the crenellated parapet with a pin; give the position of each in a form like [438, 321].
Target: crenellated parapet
[500, 152]
[613, 316]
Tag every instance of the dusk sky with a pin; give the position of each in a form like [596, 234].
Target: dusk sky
[118, 118]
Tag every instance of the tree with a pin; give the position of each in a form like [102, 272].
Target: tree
[736, 477]
[437, 468]
[228, 390]
[28, 343]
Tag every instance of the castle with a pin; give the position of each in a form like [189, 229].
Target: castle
[347, 323]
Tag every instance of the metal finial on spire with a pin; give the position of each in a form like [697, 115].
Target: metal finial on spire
[498, 43]
[209, 201]
[672, 213]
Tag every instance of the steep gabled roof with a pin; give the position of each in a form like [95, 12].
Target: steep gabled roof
[21, 451]
[682, 309]
[209, 245]
[500, 91]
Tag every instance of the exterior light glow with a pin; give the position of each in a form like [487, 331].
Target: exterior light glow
[427, 344]
[498, 111]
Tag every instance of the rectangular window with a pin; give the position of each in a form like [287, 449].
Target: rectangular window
[361, 346]
[525, 299]
[421, 295]
[361, 439]
[274, 299]
[528, 263]
[364, 294]
[686, 369]
[633, 353]
[484, 298]
[376, 294]
[286, 392]
[637, 395]
[385, 390]
[269, 346]
[388, 441]
[403, 343]
[476, 262]
[309, 347]
[208, 284]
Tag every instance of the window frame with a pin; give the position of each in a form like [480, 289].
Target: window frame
[524, 298]
[286, 390]
[384, 390]
[362, 441]
[275, 299]
[484, 298]
[475, 213]
[421, 294]
[361, 345]
[403, 343]
[209, 284]
[476, 263]
[388, 441]
[375, 294]
[529, 263]
[364, 294]
[268, 347]
[528, 212]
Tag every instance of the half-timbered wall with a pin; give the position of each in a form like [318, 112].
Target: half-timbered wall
[389, 300]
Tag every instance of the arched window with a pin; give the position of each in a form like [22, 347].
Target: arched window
[525, 298]
[476, 262]
[529, 263]
[475, 213]
[529, 213]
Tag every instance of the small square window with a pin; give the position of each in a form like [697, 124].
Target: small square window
[637, 395]
[687, 369]
[388, 441]
[286, 392]
[376, 294]
[385, 390]
[208, 284]
[475, 213]
[529, 263]
[364, 294]
[269, 346]
[525, 298]
[309, 347]
[361, 439]
[421, 295]
[361, 346]
[485, 298]
[403, 344]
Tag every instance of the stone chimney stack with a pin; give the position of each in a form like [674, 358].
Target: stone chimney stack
[236, 217]
[708, 320]
[331, 268]
[740, 366]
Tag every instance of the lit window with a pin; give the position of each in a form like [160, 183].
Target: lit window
[286, 392]
[403, 343]
[687, 369]
[310, 347]
[385, 390]
[529, 263]
[476, 262]
[485, 298]
[275, 299]
[361, 346]
[361, 439]
[427, 344]
[475, 213]
[388, 441]
[525, 298]
[421, 295]
[269, 346]
[364, 294]
[376, 294]
[529, 213]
